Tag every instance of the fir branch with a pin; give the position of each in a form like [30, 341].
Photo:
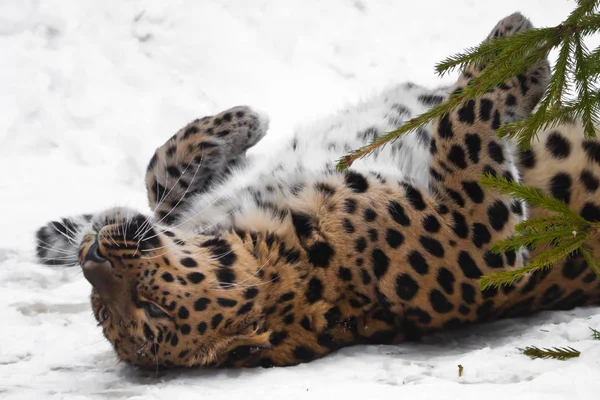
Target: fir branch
[487, 80]
[565, 233]
[584, 7]
[586, 25]
[525, 130]
[506, 66]
[591, 260]
[507, 278]
[542, 261]
[506, 57]
[454, 101]
[563, 247]
[584, 88]
[595, 334]
[532, 196]
[541, 224]
[593, 63]
[533, 238]
[558, 83]
[508, 48]
[557, 353]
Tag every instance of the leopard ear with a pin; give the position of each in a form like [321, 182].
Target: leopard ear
[244, 339]
[231, 348]
[241, 346]
[254, 342]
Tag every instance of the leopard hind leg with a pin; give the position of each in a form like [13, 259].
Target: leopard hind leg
[200, 155]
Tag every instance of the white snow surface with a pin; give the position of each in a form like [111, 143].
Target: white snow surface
[88, 90]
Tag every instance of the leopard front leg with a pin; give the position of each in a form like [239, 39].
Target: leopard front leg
[199, 155]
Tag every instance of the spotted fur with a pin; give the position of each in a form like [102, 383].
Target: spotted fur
[285, 260]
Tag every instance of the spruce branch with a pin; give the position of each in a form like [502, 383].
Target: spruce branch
[508, 278]
[541, 223]
[525, 130]
[558, 84]
[506, 49]
[563, 248]
[595, 334]
[557, 353]
[564, 233]
[584, 7]
[584, 88]
[591, 259]
[563, 243]
[533, 238]
[593, 63]
[545, 260]
[506, 57]
[532, 196]
[454, 101]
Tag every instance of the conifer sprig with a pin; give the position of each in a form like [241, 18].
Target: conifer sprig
[532, 196]
[561, 234]
[595, 334]
[591, 259]
[505, 57]
[557, 353]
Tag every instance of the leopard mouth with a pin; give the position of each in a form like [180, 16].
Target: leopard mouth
[96, 268]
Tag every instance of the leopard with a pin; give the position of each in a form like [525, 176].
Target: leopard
[277, 259]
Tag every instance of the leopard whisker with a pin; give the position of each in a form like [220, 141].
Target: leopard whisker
[163, 198]
[186, 189]
[71, 240]
[195, 233]
[180, 199]
[49, 247]
[156, 358]
[57, 258]
[198, 213]
[160, 196]
[173, 245]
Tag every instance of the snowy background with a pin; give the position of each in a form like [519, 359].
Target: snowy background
[88, 90]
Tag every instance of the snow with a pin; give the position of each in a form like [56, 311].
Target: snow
[90, 89]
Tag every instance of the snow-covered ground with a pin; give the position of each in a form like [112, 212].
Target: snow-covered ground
[89, 88]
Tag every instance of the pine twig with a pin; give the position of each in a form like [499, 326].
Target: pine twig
[595, 334]
[557, 353]
[506, 57]
[542, 261]
[532, 196]
[503, 50]
[591, 259]
[534, 237]
[507, 278]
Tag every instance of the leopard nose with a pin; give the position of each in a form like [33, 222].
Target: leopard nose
[97, 269]
[94, 255]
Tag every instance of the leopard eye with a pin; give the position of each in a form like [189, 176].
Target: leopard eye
[103, 314]
[155, 311]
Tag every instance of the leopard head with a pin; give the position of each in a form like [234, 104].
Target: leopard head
[166, 300]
